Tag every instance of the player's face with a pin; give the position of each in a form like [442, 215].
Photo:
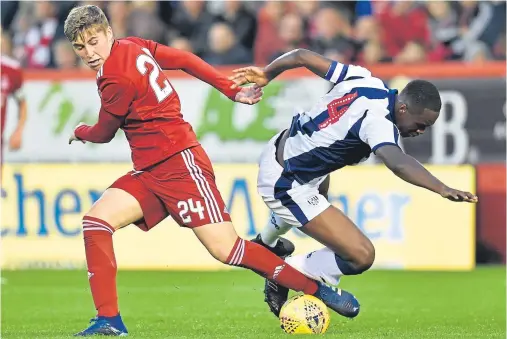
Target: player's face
[94, 47]
[414, 124]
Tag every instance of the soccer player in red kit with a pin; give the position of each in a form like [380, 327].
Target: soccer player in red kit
[172, 174]
[11, 83]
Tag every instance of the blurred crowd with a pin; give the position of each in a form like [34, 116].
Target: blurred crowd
[244, 32]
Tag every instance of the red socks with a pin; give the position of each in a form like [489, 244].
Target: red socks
[262, 261]
[98, 240]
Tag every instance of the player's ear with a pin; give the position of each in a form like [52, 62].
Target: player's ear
[403, 108]
[109, 33]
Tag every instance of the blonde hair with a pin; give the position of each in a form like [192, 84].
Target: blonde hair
[82, 19]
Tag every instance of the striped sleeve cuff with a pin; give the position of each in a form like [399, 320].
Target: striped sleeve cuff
[336, 72]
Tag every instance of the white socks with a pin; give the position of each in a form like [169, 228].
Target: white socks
[319, 265]
[275, 228]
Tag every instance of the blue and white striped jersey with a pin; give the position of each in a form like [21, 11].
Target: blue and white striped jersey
[348, 123]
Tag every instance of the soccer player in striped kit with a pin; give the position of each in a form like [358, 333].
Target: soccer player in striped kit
[357, 117]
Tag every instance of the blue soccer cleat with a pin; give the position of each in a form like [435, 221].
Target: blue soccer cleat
[108, 326]
[340, 301]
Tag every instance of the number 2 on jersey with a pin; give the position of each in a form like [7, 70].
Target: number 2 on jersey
[160, 92]
[190, 206]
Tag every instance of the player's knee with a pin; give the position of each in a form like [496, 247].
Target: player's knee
[365, 258]
[90, 214]
[92, 222]
[101, 218]
[362, 260]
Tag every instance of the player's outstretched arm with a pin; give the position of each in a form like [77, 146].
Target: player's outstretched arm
[318, 64]
[172, 58]
[410, 170]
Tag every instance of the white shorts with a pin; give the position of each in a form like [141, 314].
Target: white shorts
[294, 203]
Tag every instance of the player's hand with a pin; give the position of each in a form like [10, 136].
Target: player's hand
[249, 95]
[249, 75]
[455, 195]
[73, 136]
[15, 140]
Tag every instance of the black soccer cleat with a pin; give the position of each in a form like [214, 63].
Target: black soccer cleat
[283, 247]
[276, 295]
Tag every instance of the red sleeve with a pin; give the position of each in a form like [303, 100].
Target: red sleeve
[17, 83]
[116, 96]
[172, 58]
[19, 80]
[103, 131]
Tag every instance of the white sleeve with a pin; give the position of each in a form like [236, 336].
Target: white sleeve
[377, 131]
[338, 72]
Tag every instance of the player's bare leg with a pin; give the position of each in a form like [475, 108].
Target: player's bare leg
[118, 207]
[223, 243]
[115, 209]
[348, 252]
[351, 251]
[270, 237]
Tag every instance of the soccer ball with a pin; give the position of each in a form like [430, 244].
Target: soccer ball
[304, 314]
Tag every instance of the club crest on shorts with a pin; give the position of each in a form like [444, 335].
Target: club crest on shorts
[313, 200]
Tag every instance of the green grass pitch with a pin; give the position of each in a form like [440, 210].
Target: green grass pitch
[165, 304]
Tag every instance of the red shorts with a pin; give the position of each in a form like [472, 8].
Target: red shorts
[182, 186]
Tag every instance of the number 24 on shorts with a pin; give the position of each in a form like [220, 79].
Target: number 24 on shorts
[190, 206]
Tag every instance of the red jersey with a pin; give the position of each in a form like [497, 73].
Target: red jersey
[137, 96]
[11, 82]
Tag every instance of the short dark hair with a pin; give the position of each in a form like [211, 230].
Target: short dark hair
[422, 94]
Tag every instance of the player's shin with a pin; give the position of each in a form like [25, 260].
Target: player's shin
[273, 230]
[101, 262]
[259, 259]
